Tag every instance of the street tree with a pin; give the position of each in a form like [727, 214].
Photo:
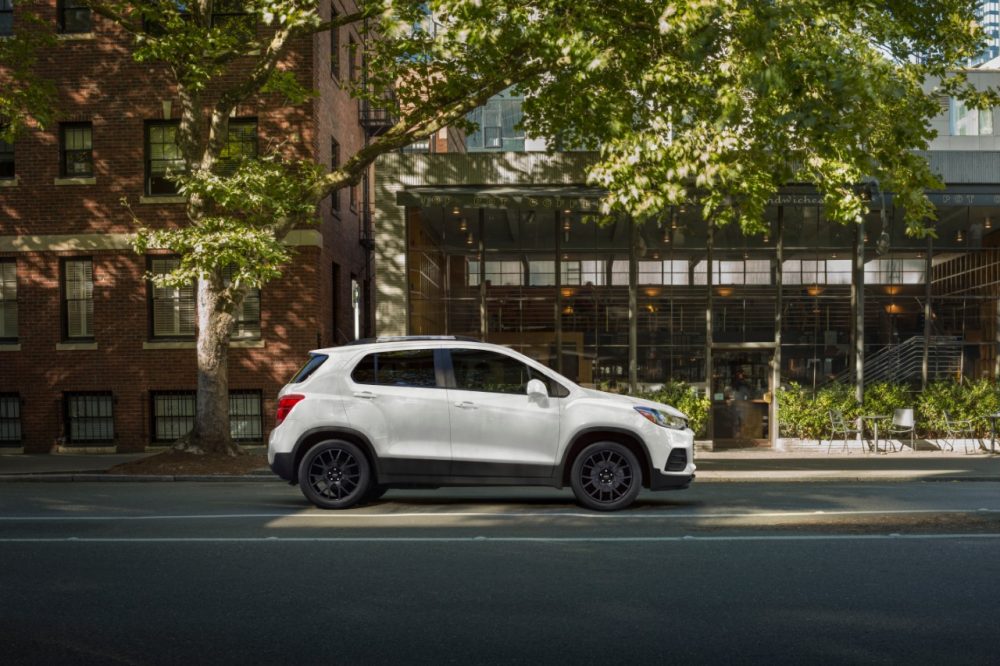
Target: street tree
[716, 102]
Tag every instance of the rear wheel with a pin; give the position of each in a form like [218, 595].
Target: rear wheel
[606, 476]
[334, 474]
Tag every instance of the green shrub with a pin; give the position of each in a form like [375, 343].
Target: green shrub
[883, 398]
[802, 415]
[683, 397]
[962, 400]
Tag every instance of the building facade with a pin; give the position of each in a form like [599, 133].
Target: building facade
[507, 247]
[91, 354]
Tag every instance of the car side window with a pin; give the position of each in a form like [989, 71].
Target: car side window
[482, 370]
[411, 367]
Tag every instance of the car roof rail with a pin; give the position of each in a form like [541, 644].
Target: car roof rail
[410, 338]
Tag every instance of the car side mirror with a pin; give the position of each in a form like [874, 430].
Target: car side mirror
[536, 388]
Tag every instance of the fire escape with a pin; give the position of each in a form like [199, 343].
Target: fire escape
[375, 119]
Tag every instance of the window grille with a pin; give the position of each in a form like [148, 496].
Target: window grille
[10, 417]
[8, 299]
[173, 415]
[173, 308]
[245, 423]
[77, 150]
[78, 295]
[89, 417]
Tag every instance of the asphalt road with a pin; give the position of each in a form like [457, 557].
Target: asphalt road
[168, 573]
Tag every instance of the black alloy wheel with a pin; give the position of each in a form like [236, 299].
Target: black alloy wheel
[334, 474]
[606, 476]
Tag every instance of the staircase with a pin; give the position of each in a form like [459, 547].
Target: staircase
[904, 362]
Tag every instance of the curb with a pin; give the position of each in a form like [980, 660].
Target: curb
[133, 478]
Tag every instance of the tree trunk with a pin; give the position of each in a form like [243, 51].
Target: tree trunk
[211, 432]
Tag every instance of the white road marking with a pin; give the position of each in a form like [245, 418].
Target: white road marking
[481, 539]
[498, 514]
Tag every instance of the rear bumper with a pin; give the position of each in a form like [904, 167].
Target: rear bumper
[284, 466]
[661, 481]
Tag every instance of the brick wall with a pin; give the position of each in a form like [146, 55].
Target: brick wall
[99, 82]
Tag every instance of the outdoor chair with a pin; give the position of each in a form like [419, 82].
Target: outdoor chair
[839, 425]
[959, 429]
[902, 423]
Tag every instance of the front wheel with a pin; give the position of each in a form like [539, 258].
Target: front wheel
[606, 476]
[334, 474]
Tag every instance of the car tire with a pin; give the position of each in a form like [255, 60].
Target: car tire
[606, 476]
[334, 474]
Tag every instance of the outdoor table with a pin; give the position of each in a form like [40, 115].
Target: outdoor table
[993, 431]
[873, 420]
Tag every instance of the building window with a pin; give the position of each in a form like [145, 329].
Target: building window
[245, 423]
[8, 300]
[78, 298]
[353, 58]
[241, 144]
[74, 16]
[10, 418]
[172, 308]
[334, 46]
[173, 415]
[90, 417]
[6, 159]
[163, 157]
[354, 198]
[76, 150]
[334, 165]
[248, 317]
[6, 18]
[233, 16]
[174, 411]
[970, 122]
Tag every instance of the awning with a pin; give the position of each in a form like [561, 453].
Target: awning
[564, 197]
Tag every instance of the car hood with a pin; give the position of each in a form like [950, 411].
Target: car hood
[627, 399]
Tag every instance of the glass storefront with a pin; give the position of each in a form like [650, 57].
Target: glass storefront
[559, 286]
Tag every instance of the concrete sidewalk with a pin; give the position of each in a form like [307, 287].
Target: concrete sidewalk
[747, 465]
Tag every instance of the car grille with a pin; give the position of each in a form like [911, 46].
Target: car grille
[677, 460]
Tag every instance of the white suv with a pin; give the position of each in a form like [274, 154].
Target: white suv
[443, 411]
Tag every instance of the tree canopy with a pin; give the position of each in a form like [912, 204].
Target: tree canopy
[713, 102]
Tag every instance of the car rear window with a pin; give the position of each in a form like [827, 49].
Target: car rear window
[397, 368]
[309, 367]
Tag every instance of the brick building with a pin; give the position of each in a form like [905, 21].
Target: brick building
[91, 355]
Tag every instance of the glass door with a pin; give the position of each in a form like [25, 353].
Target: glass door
[740, 397]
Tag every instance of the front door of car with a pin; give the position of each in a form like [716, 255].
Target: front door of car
[398, 400]
[497, 429]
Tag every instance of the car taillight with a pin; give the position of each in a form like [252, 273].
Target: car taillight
[285, 404]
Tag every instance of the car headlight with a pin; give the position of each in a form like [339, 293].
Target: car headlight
[661, 419]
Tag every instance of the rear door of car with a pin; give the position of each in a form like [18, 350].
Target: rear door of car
[398, 400]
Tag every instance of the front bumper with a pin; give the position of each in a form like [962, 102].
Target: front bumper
[661, 481]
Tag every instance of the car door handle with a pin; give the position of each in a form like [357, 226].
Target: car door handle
[465, 404]
[366, 395]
